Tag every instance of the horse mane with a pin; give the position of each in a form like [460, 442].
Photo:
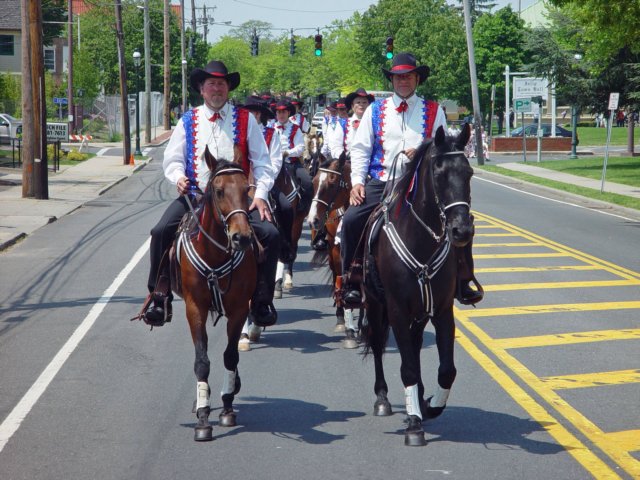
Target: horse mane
[404, 182]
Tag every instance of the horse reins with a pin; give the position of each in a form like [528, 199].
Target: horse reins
[329, 205]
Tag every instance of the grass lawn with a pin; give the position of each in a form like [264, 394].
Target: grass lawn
[598, 136]
[625, 170]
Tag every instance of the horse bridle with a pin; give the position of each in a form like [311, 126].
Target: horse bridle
[341, 185]
[223, 218]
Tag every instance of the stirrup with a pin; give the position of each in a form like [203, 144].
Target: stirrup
[466, 295]
[161, 312]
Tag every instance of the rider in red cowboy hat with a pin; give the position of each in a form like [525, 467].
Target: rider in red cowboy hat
[220, 126]
[298, 118]
[390, 128]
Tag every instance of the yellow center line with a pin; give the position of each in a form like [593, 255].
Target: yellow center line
[521, 255]
[515, 244]
[537, 269]
[552, 285]
[568, 338]
[628, 440]
[585, 426]
[554, 308]
[589, 380]
[497, 235]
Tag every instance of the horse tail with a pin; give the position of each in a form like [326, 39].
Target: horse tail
[375, 329]
[320, 258]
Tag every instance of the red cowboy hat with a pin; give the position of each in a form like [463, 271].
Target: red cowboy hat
[285, 105]
[406, 63]
[215, 69]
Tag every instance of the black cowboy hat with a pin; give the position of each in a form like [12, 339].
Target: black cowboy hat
[215, 69]
[406, 63]
[253, 102]
[361, 92]
[340, 103]
[285, 105]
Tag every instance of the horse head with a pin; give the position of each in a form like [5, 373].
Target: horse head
[227, 195]
[332, 185]
[452, 183]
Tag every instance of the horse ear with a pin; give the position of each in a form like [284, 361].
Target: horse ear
[439, 138]
[463, 138]
[342, 159]
[212, 163]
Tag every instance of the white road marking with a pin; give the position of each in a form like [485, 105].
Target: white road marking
[26, 403]
[101, 152]
[554, 200]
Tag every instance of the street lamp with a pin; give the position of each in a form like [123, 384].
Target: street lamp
[136, 62]
[574, 123]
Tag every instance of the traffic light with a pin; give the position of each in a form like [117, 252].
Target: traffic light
[389, 50]
[318, 45]
[292, 46]
[254, 45]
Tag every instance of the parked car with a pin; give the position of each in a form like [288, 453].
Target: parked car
[532, 131]
[317, 120]
[9, 127]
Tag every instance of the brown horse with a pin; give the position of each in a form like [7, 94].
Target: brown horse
[217, 272]
[314, 158]
[332, 185]
[410, 271]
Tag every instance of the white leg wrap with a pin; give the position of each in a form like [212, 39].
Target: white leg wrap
[348, 320]
[279, 270]
[411, 401]
[245, 328]
[440, 397]
[338, 231]
[202, 395]
[228, 383]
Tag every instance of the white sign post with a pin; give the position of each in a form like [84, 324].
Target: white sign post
[614, 98]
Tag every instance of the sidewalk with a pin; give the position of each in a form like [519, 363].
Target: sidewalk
[69, 189]
[609, 187]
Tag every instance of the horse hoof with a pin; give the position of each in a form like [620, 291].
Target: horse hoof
[227, 419]
[339, 328]
[254, 333]
[430, 412]
[382, 409]
[286, 286]
[244, 345]
[203, 434]
[414, 439]
[350, 343]
[277, 293]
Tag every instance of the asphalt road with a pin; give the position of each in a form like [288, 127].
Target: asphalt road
[113, 400]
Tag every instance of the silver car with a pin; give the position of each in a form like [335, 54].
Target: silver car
[9, 127]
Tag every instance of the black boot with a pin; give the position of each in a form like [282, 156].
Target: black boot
[352, 297]
[263, 314]
[161, 311]
[467, 295]
[319, 243]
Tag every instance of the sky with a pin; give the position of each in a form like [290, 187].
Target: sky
[286, 14]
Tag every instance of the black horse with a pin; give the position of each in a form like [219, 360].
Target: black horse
[410, 271]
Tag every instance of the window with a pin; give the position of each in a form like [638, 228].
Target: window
[49, 59]
[6, 45]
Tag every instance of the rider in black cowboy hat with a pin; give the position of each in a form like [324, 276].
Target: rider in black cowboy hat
[220, 126]
[390, 128]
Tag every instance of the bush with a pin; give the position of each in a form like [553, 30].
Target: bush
[76, 156]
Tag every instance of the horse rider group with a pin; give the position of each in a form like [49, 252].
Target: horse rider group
[380, 137]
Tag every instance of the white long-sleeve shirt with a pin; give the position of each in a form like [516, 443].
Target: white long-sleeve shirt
[296, 149]
[336, 137]
[220, 137]
[397, 132]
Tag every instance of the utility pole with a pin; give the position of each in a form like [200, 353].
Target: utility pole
[147, 75]
[184, 59]
[34, 114]
[166, 71]
[477, 117]
[205, 23]
[71, 109]
[193, 15]
[126, 130]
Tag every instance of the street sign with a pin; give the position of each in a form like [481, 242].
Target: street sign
[530, 87]
[522, 105]
[57, 131]
[614, 98]
[60, 101]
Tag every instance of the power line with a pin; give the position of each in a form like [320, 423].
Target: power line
[294, 11]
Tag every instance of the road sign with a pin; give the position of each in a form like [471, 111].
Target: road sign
[522, 105]
[57, 131]
[530, 87]
[60, 101]
[614, 98]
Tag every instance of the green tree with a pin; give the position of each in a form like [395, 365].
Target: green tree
[499, 41]
[477, 8]
[53, 11]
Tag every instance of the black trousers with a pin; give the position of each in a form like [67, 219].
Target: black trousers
[355, 219]
[163, 234]
[305, 182]
[285, 213]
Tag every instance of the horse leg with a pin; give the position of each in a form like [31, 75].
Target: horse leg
[198, 326]
[279, 274]
[231, 381]
[410, 375]
[378, 331]
[351, 328]
[445, 337]
[335, 266]
[287, 284]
